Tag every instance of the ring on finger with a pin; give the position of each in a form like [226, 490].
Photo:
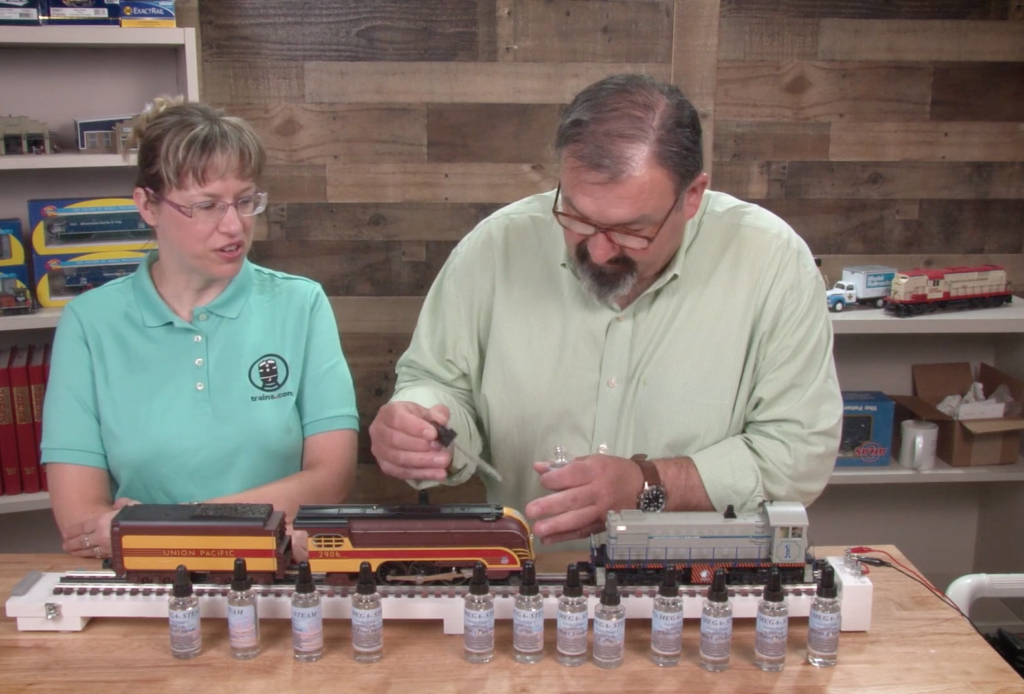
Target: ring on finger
[97, 552]
[86, 540]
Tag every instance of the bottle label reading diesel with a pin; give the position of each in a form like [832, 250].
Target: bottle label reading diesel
[367, 630]
[479, 631]
[528, 630]
[667, 632]
[715, 636]
[771, 636]
[823, 632]
[572, 633]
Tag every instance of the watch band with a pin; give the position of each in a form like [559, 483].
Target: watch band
[652, 477]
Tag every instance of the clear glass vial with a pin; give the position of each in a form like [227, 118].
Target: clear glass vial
[367, 618]
[609, 626]
[243, 617]
[478, 618]
[716, 626]
[528, 618]
[307, 617]
[183, 617]
[772, 625]
[560, 459]
[667, 622]
[825, 621]
[573, 621]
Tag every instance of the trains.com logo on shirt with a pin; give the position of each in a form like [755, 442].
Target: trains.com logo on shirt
[269, 373]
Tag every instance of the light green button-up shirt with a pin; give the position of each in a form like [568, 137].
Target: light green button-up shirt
[726, 358]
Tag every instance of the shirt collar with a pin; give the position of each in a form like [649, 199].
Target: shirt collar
[155, 312]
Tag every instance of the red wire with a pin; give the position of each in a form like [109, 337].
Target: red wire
[894, 560]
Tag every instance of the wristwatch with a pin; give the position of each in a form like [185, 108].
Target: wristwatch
[653, 497]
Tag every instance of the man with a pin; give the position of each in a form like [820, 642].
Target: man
[628, 313]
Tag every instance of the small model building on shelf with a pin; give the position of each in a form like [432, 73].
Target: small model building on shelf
[104, 135]
[22, 135]
[924, 291]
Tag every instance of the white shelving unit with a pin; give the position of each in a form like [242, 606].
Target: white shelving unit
[29, 162]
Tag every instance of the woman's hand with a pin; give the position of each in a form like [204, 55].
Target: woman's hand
[91, 538]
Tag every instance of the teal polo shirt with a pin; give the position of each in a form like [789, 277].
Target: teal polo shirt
[182, 411]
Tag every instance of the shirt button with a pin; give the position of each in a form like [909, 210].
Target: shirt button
[200, 386]
[199, 362]
[603, 448]
[620, 318]
[198, 338]
[204, 316]
[612, 383]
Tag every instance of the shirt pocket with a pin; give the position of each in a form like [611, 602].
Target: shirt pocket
[674, 418]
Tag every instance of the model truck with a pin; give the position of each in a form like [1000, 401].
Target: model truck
[862, 284]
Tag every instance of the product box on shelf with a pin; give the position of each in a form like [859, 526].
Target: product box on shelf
[15, 294]
[81, 12]
[20, 12]
[964, 443]
[148, 14]
[87, 225]
[60, 278]
[867, 429]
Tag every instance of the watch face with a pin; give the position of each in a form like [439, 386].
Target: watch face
[652, 499]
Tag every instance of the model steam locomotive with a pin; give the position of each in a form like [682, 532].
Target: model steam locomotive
[440, 544]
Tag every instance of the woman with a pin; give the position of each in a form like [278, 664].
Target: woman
[201, 377]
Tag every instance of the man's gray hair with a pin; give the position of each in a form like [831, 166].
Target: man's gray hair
[613, 126]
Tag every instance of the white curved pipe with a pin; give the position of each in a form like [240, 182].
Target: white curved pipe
[966, 589]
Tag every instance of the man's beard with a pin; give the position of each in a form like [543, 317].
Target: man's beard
[609, 282]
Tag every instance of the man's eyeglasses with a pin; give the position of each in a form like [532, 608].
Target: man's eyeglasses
[212, 211]
[627, 238]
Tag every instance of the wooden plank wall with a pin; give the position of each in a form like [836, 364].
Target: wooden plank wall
[883, 131]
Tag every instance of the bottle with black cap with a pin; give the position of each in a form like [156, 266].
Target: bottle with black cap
[367, 619]
[772, 625]
[573, 620]
[307, 617]
[716, 626]
[609, 626]
[528, 618]
[183, 614]
[243, 618]
[824, 622]
[667, 621]
[478, 618]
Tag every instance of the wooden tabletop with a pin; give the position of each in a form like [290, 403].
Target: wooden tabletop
[916, 645]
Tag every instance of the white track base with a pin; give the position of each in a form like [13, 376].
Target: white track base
[36, 608]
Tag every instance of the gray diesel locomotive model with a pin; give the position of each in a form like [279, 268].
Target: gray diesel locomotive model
[747, 545]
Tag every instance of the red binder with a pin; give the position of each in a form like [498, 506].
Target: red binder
[36, 386]
[24, 427]
[46, 378]
[10, 466]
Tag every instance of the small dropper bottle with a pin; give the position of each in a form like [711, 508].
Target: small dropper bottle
[183, 615]
[367, 618]
[561, 459]
[772, 626]
[667, 622]
[307, 617]
[609, 626]
[824, 622]
[573, 620]
[528, 618]
[716, 626]
[243, 619]
[478, 618]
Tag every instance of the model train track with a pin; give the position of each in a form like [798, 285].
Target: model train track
[105, 583]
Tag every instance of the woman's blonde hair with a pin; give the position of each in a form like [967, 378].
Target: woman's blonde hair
[183, 143]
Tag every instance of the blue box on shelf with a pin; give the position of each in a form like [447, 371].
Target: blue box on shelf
[867, 429]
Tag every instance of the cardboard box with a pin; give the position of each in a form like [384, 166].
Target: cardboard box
[867, 429]
[82, 12]
[87, 225]
[20, 12]
[141, 14]
[963, 443]
[15, 296]
[60, 278]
